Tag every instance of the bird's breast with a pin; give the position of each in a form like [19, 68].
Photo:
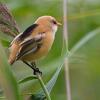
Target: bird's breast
[43, 50]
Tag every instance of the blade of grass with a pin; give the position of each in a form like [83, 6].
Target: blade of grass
[84, 40]
[7, 80]
[40, 95]
[27, 79]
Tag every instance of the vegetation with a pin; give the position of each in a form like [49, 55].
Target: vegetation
[17, 81]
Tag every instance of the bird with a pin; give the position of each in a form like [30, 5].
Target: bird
[35, 42]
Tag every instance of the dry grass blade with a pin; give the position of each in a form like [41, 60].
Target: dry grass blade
[65, 34]
[7, 23]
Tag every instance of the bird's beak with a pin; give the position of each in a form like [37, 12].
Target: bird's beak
[59, 24]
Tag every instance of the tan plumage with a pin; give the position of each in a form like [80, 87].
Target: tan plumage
[35, 41]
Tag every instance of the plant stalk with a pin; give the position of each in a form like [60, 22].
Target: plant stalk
[66, 66]
[43, 87]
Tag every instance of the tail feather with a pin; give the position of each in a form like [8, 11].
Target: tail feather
[11, 61]
[14, 50]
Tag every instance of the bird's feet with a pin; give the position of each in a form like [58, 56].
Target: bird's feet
[37, 71]
[34, 68]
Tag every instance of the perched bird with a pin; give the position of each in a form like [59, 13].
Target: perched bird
[35, 42]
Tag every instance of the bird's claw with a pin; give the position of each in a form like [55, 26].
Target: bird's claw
[36, 70]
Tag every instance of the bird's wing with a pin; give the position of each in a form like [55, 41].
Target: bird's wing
[28, 32]
[7, 23]
[25, 35]
[30, 46]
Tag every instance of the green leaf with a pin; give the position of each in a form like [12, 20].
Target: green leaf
[7, 80]
[84, 40]
[40, 95]
[27, 79]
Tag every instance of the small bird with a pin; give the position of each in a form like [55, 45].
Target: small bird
[35, 42]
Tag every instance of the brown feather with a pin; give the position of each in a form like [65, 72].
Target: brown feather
[14, 50]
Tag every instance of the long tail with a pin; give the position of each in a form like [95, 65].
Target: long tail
[7, 23]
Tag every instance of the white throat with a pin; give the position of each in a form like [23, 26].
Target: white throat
[54, 29]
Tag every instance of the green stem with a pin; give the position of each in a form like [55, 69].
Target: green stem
[43, 87]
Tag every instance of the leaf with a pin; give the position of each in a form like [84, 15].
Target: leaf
[37, 97]
[84, 40]
[27, 79]
[7, 80]
[40, 95]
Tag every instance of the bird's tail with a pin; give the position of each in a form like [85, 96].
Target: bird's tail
[7, 23]
[10, 61]
[14, 50]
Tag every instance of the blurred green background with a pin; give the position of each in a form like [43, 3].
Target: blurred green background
[84, 46]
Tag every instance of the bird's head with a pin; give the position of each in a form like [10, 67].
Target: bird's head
[48, 21]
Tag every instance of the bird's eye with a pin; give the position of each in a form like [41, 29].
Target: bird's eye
[54, 22]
